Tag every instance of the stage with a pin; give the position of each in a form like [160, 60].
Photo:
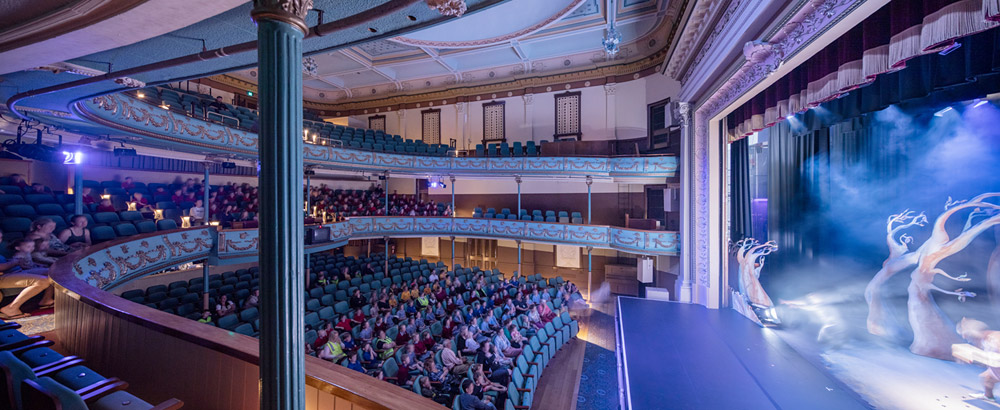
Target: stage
[684, 356]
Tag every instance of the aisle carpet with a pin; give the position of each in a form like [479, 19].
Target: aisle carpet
[599, 378]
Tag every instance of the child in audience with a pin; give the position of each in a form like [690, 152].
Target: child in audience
[197, 212]
[225, 306]
[40, 256]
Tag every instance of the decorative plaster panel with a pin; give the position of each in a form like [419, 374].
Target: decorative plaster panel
[132, 115]
[121, 262]
[243, 242]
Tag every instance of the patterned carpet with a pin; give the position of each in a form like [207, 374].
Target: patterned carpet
[599, 378]
[37, 324]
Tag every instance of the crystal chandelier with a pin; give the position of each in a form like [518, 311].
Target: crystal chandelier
[612, 39]
[309, 66]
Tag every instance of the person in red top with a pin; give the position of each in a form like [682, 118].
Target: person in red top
[87, 198]
[105, 206]
[178, 197]
[359, 317]
[127, 184]
[141, 204]
[321, 336]
[402, 338]
[344, 325]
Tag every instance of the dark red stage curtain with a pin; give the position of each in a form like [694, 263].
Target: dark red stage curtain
[882, 43]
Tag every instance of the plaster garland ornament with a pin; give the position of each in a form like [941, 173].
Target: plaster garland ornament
[454, 8]
[289, 11]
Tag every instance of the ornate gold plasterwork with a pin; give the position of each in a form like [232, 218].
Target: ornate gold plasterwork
[520, 84]
[289, 11]
[454, 8]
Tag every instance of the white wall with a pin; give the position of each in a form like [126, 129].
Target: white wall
[604, 116]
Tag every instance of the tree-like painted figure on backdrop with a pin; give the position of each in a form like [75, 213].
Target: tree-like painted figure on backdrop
[750, 255]
[934, 333]
[881, 320]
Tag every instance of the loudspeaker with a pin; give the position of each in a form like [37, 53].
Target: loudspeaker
[317, 235]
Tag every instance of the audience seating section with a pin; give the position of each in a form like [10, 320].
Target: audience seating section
[324, 304]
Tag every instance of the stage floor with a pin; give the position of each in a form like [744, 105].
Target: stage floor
[683, 356]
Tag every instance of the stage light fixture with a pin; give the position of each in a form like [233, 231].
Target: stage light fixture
[952, 47]
[980, 104]
[942, 112]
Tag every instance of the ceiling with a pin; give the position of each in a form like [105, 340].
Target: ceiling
[41, 32]
[514, 39]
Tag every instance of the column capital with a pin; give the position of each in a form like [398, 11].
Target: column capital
[609, 88]
[590, 180]
[452, 178]
[528, 99]
[288, 11]
[517, 178]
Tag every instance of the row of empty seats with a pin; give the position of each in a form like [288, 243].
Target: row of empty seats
[37, 377]
[535, 215]
[529, 149]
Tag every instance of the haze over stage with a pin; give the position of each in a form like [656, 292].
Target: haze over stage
[684, 356]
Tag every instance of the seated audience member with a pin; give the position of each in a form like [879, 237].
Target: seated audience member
[37, 188]
[127, 184]
[357, 300]
[253, 300]
[369, 358]
[344, 324]
[77, 236]
[333, 350]
[483, 384]
[42, 228]
[105, 206]
[21, 272]
[353, 363]
[218, 104]
[206, 317]
[141, 204]
[466, 401]
[225, 306]
[452, 362]
[197, 212]
[40, 256]
[88, 197]
[178, 196]
[366, 332]
[18, 180]
[348, 341]
[384, 344]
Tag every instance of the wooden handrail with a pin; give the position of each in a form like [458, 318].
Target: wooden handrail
[327, 377]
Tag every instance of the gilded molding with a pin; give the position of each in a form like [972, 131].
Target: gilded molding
[288, 11]
[643, 67]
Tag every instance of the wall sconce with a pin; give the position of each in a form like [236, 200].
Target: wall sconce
[131, 206]
[185, 222]
[141, 95]
[105, 196]
[214, 223]
[158, 214]
[69, 190]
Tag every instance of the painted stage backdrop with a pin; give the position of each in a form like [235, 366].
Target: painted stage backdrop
[889, 264]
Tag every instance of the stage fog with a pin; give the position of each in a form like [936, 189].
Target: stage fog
[887, 235]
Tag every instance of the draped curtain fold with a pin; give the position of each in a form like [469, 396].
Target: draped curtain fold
[885, 42]
[741, 225]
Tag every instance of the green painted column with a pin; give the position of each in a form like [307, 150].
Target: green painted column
[77, 186]
[280, 28]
